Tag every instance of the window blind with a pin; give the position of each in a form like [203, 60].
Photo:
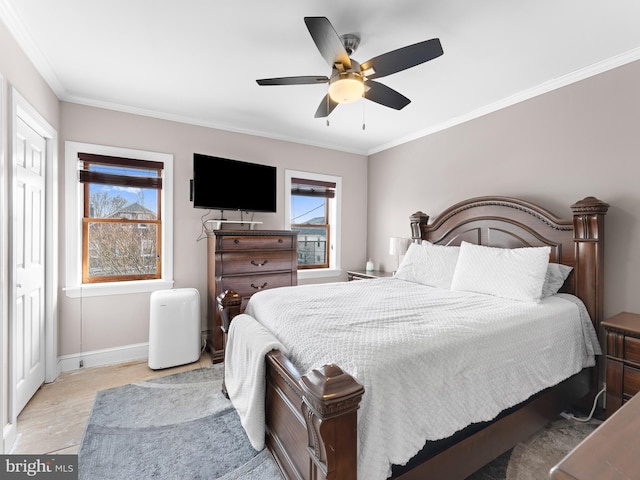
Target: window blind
[142, 181]
[312, 188]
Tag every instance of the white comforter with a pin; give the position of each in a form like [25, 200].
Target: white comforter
[459, 357]
[244, 373]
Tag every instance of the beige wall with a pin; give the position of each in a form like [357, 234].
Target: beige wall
[112, 321]
[555, 149]
[16, 71]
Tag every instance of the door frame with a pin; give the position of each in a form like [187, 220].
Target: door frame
[21, 108]
[4, 275]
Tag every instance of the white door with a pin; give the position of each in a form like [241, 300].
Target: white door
[28, 312]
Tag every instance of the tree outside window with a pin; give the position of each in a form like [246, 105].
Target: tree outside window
[121, 233]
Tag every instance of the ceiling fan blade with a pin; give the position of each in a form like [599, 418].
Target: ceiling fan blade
[305, 80]
[328, 41]
[386, 96]
[402, 58]
[326, 107]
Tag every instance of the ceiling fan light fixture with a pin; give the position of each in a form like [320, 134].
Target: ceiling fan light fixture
[346, 87]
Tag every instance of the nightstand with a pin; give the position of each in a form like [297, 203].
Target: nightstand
[608, 453]
[364, 275]
[623, 359]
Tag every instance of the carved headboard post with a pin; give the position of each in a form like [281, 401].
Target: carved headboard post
[588, 231]
[417, 221]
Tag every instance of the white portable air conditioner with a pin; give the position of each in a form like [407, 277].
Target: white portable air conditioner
[174, 327]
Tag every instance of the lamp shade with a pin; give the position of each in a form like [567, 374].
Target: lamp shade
[398, 245]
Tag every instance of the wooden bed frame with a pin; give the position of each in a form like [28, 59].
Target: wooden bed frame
[311, 421]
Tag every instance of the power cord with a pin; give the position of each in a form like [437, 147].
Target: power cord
[571, 416]
[203, 233]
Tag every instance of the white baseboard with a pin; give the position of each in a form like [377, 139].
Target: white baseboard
[9, 436]
[107, 356]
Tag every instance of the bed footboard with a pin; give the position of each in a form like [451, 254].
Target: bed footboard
[311, 422]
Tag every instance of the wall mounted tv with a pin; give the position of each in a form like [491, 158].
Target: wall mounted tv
[225, 184]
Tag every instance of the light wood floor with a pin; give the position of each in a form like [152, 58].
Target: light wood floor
[54, 420]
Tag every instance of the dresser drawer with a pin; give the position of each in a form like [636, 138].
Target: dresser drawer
[256, 242]
[632, 350]
[247, 285]
[233, 263]
[631, 381]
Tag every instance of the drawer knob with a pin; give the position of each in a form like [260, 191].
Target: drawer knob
[261, 287]
[258, 264]
[236, 241]
[280, 240]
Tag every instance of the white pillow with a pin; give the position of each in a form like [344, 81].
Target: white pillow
[514, 273]
[554, 279]
[431, 265]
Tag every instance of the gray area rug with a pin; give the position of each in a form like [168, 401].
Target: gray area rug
[533, 458]
[176, 427]
[181, 427]
[546, 448]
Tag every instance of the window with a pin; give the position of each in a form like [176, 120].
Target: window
[313, 210]
[122, 218]
[119, 220]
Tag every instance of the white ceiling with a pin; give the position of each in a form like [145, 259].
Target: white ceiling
[196, 61]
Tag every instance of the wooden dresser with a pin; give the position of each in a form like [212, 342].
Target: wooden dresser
[623, 359]
[246, 261]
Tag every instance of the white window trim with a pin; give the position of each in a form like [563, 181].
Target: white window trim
[74, 287]
[335, 218]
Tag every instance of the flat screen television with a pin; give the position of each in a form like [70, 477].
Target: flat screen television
[225, 184]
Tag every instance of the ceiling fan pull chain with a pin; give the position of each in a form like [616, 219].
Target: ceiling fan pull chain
[363, 108]
[328, 108]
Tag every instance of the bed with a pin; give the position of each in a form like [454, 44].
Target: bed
[312, 419]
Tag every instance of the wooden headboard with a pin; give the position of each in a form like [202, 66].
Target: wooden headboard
[510, 223]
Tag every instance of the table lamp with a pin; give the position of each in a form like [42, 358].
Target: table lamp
[398, 246]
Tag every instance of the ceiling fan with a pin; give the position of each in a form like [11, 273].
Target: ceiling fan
[351, 80]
